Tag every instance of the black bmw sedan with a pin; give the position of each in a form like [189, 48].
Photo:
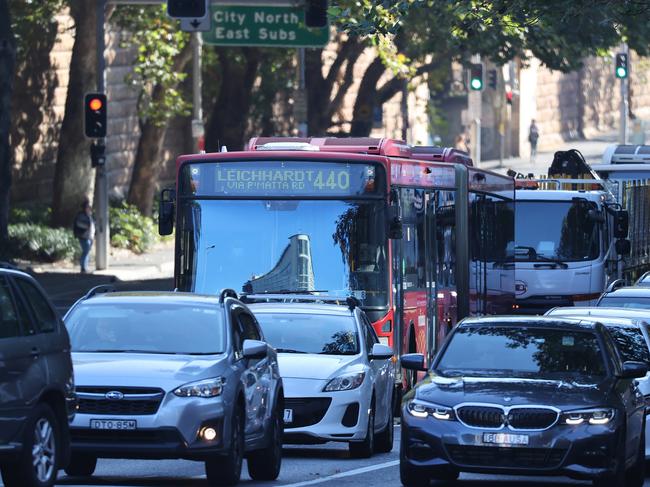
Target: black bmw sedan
[525, 396]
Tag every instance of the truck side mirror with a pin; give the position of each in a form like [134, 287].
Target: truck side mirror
[623, 247]
[166, 211]
[621, 223]
[395, 228]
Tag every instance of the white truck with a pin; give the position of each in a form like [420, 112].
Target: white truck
[569, 235]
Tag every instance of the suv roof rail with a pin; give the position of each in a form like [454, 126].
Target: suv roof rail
[101, 289]
[351, 301]
[615, 284]
[227, 293]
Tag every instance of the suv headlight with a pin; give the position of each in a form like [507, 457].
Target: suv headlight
[201, 388]
[422, 409]
[591, 416]
[345, 382]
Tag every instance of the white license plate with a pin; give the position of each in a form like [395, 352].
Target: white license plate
[288, 416]
[506, 439]
[113, 424]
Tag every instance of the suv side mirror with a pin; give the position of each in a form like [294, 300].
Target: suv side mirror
[623, 247]
[254, 349]
[166, 212]
[633, 370]
[380, 352]
[413, 361]
[621, 223]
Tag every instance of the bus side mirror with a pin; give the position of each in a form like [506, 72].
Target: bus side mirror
[166, 212]
[623, 247]
[621, 223]
[395, 229]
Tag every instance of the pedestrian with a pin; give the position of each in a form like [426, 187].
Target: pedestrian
[84, 230]
[533, 137]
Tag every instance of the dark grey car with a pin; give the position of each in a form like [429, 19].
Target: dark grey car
[36, 384]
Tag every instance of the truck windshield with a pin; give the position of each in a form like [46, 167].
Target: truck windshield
[285, 246]
[560, 230]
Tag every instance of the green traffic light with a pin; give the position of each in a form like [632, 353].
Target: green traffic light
[476, 84]
[621, 72]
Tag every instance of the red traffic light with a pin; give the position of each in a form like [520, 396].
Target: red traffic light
[95, 104]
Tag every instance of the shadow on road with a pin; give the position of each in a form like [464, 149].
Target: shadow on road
[302, 452]
[133, 482]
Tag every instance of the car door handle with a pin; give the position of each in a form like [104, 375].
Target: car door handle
[35, 352]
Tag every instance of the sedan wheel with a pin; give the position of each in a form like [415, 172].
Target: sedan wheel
[365, 448]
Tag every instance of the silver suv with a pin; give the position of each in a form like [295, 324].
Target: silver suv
[175, 375]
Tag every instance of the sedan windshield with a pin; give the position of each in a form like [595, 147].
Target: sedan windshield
[146, 328]
[308, 333]
[519, 351]
[625, 302]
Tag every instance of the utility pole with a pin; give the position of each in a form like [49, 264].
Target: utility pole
[198, 129]
[101, 176]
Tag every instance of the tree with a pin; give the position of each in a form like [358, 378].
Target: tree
[73, 177]
[7, 66]
[163, 54]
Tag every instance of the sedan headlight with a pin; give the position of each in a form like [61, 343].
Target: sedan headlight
[591, 416]
[421, 409]
[345, 382]
[201, 388]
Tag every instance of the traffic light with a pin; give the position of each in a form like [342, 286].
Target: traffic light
[621, 65]
[187, 9]
[316, 13]
[476, 77]
[95, 115]
[492, 79]
[97, 154]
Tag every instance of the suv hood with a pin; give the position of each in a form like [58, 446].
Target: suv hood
[565, 395]
[312, 366]
[144, 369]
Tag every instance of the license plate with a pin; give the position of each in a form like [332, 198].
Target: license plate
[113, 424]
[506, 439]
[288, 416]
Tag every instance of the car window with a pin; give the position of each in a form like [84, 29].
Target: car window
[45, 317]
[630, 343]
[9, 322]
[248, 327]
[370, 335]
[521, 351]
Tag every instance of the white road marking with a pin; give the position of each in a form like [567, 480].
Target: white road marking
[349, 473]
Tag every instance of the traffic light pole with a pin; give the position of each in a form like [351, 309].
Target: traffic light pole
[198, 131]
[101, 176]
[624, 104]
[474, 102]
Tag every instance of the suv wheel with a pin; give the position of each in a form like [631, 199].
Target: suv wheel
[365, 448]
[37, 465]
[226, 469]
[81, 465]
[265, 464]
[384, 440]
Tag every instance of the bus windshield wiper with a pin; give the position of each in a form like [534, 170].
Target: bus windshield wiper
[122, 350]
[543, 258]
[533, 256]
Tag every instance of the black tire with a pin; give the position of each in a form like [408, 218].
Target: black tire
[81, 465]
[42, 441]
[224, 470]
[635, 476]
[384, 440]
[366, 447]
[265, 464]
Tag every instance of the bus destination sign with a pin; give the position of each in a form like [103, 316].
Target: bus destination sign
[277, 178]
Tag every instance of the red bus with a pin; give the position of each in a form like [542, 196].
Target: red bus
[421, 242]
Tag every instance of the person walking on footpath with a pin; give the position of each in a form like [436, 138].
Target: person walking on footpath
[84, 230]
[533, 137]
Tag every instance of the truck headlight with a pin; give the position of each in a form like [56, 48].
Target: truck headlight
[201, 388]
[345, 382]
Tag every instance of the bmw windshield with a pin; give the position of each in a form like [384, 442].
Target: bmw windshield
[243, 225]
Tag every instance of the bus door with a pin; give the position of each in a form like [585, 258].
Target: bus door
[431, 252]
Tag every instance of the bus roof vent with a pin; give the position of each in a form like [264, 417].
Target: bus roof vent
[288, 146]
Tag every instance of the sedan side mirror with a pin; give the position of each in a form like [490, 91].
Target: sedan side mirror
[380, 352]
[413, 361]
[255, 349]
[633, 370]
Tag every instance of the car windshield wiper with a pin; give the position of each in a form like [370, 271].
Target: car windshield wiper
[288, 350]
[121, 350]
[337, 353]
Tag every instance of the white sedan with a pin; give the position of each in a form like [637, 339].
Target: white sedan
[338, 379]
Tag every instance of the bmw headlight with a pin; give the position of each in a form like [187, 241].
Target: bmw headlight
[422, 409]
[201, 388]
[345, 382]
[591, 416]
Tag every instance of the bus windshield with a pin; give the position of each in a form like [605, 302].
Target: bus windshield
[560, 230]
[278, 245]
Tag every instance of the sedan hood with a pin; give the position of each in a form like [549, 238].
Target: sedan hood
[144, 369]
[312, 366]
[509, 392]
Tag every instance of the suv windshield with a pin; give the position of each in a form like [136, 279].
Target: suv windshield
[309, 333]
[558, 230]
[521, 351]
[147, 328]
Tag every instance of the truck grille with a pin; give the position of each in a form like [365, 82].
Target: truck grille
[134, 401]
[485, 456]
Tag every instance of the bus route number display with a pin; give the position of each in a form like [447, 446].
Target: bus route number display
[282, 179]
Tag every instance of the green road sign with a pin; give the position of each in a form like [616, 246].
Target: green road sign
[262, 26]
